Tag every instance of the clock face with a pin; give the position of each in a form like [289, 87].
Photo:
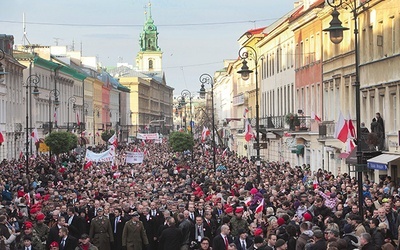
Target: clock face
[150, 28]
[290, 142]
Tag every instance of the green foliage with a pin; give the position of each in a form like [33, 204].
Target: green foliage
[61, 142]
[106, 135]
[181, 141]
[292, 120]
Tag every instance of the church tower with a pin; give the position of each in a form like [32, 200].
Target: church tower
[149, 57]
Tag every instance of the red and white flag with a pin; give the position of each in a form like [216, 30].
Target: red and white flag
[248, 201]
[83, 133]
[260, 207]
[55, 116]
[116, 175]
[245, 112]
[35, 135]
[88, 164]
[315, 183]
[113, 140]
[1, 138]
[248, 131]
[352, 129]
[224, 152]
[341, 129]
[77, 119]
[350, 145]
[204, 134]
[315, 117]
[97, 134]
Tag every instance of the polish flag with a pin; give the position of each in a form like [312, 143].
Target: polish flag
[350, 145]
[249, 131]
[224, 152]
[315, 184]
[97, 134]
[245, 112]
[55, 116]
[35, 135]
[315, 117]
[204, 134]
[260, 207]
[88, 164]
[1, 138]
[21, 155]
[83, 133]
[116, 175]
[113, 140]
[341, 129]
[248, 201]
[352, 129]
[77, 119]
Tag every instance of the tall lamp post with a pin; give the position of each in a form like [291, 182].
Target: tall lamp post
[72, 100]
[186, 93]
[245, 53]
[32, 79]
[336, 36]
[82, 124]
[207, 79]
[182, 104]
[56, 103]
[96, 112]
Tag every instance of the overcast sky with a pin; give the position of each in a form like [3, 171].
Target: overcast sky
[194, 35]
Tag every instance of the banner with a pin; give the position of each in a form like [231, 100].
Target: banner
[134, 157]
[105, 156]
[153, 136]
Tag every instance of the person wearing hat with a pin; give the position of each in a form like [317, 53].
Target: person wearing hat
[41, 228]
[242, 242]
[28, 232]
[237, 222]
[101, 231]
[134, 234]
[54, 245]
[280, 244]
[84, 243]
[356, 222]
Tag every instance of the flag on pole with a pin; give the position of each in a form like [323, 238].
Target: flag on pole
[260, 207]
[35, 135]
[352, 129]
[245, 112]
[341, 129]
[1, 138]
[55, 116]
[204, 134]
[88, 164]
[350, 145]
[113, 140]
[315, 117]
[248, 201]
[315, 183]
[224, 152]
[248, 131]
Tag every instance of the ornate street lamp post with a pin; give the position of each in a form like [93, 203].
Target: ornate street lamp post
[32, 79]
[336, 36]
[56, 103]
[248, 52]
[208, 79]
[96, 112]
[72, 100]
[186, 93]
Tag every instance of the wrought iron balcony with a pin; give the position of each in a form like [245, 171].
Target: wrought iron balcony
[326, 130]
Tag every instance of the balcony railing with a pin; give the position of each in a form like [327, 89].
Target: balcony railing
[279, 122]
[326, 130]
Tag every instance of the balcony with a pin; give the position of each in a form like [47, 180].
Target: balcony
[326, 130]
[301, 123]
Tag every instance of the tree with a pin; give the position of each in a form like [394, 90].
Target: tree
[106, 135]
[181, 141]
[61, 142]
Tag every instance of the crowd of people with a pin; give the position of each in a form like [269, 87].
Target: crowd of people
[173, 201]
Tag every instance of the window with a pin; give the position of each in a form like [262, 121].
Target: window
[150, 64]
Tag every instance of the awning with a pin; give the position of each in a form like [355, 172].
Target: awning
[352, 157]
[344, 155]
[381, 162]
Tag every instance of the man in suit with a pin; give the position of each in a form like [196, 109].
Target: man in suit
[28, 243]
[222, 241]
[117, 224]
[67, 242]
[134, 234]
[158, 220]
[210, 224]
[187, 229]
[101, 231]
[54, 231]
[171, 237]
[242, 242]
[75, 223]
[199, 230]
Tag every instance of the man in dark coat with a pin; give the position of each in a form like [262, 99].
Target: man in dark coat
[222, 240]
[117, 224]
[319, 241]
[75, 223]
[67, 242]
[366, 242]
[53, 233]
[101, 231]
[171, 237]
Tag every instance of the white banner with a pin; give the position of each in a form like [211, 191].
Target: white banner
[153, 136]
[134, 157]
[105, 156]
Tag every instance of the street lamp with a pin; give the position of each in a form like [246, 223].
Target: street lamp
[182, 104]
[207, 79]
[56, 103]
[336, 36]
[32, 79]
[96, 112]
[72, 100]
[245, 73]
[186, 93]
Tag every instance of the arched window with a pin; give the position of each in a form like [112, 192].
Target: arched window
[150, 64]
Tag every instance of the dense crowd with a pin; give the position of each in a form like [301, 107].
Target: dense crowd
[171, 202]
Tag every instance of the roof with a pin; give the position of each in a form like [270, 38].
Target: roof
[123, 71]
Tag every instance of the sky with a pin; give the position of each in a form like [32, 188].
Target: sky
[196, 36]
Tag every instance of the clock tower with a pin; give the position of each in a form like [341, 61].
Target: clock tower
[149, 57]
